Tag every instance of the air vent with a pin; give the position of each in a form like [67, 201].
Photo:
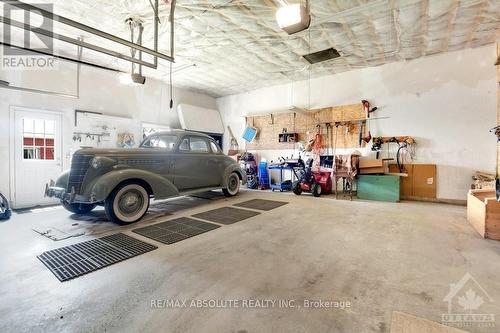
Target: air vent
[320, 56]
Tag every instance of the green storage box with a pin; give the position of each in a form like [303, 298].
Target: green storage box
[381, 188]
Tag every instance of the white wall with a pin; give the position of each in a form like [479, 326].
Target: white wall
[100, 91]
[447, 102]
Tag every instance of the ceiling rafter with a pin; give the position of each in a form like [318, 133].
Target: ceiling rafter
[253, 37]
[477, 23]
[267, 29]
[373, 33]
[236, 41]
[375, 38]
[397, 28]
[451, 21]
[335, 7]
[424, 8]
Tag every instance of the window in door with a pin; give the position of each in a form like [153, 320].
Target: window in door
[184, 146]
[198, 145]
[160, 141]
[38, 139]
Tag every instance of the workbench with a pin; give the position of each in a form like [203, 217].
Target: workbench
[278, 178]
[379, 187]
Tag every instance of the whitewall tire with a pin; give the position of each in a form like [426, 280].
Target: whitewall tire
[128, 203]
[232, 185]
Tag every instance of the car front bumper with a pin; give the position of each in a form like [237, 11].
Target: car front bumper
[52, 191]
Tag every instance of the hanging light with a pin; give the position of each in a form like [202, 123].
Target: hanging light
[293, 17]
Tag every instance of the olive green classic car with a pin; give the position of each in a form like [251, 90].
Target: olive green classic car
[166, 164]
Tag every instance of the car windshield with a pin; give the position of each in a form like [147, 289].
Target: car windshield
[160, 141]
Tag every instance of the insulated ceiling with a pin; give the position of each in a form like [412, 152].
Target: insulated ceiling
[231, 46]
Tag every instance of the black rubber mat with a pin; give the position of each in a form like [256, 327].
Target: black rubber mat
[173, 231]
[209, 195]
[75, 260]
[226, 215]
[261, 204]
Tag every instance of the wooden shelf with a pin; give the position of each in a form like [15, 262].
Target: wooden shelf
[288, 137]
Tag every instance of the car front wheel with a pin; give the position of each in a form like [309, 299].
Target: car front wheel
[128, 203]
[233, 185]
[78, 208]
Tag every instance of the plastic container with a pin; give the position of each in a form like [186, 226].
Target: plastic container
[263, 175]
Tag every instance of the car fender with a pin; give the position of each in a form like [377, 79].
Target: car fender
[102, 186]
[230, 169]
[62, 180]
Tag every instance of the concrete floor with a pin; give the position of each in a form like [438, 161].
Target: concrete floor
[380, 257]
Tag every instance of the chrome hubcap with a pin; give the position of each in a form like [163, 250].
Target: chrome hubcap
[130, 202]
[233, 183]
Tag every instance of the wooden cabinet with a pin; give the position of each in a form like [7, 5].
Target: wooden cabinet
[288, 137]
[421, 180]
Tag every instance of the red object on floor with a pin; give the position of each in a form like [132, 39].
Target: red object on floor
[324, 178]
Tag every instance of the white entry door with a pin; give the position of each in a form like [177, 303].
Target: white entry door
[37, 155]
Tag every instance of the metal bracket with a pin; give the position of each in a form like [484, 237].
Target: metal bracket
[88, 29]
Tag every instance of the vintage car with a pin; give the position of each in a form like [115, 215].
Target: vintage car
[166, 164]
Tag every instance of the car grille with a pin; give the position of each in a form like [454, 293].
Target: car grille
[79, 166]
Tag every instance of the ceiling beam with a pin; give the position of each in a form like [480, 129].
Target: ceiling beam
[335, 7]
[373, 33]
[424, 14]
[268, 30]
[477, 22]
[235, 41]
[376, 39]
[397, 28]
[451, 22]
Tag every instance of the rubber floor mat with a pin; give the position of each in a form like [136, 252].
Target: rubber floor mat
[75, 260]
[226, 215]
[173, 231]
[261, 204]
[209, 195]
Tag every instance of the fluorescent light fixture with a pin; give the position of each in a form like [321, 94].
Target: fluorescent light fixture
[293, 18]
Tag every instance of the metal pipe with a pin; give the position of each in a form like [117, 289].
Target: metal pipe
[157, 19]
[91, 30]
[172, 26]
[66, 39]
[60, 57]
[6, 85]
[141, 30]
[78, 67]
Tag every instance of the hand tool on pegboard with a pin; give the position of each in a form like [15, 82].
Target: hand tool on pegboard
[368, 110]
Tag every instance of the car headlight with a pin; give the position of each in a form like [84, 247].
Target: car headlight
[95, 163]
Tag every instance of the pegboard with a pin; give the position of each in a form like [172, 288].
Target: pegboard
[271, 125]
[112, 126]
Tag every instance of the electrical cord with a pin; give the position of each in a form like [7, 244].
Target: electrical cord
[171, 88]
